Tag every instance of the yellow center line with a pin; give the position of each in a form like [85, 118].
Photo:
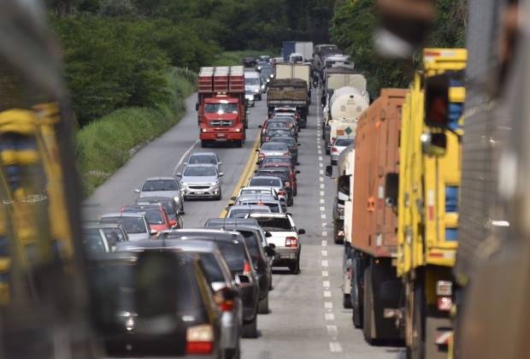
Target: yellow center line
[247, 173]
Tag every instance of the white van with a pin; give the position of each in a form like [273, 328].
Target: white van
[253, 84]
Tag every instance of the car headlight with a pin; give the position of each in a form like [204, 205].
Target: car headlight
[216, 183]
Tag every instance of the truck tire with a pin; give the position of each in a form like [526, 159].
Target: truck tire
[250, 330]
[204, 144]
[357, 313]
[336, 229]
[264, 305]
[239, 143]
[368, 313]
[346, 301]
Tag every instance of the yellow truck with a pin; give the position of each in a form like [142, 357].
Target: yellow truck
[429, 183]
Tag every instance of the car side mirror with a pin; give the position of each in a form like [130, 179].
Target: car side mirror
[221, 174]
[270, 251]
[299, 144]
[256, 150]
[220, 163]
[178, 174]
[153, 232]
[268, 235]
[242, 279]
[173, 222]
[260, 126]
[297, 172]
[272, 245]
[137, 190]
[301, 231]
[329, 170]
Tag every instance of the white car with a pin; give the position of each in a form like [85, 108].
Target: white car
[339, 144]
[284, 236]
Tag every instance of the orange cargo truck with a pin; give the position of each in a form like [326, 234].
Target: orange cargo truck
[375, 289]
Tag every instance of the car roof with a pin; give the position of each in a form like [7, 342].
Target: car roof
[160, 178]
[126, 214]
[200, 165]
[188, 245]
[98, 225]
[264, 177]
[248, 206]
[233, 221]
[204, 154]
[202, 232]
[267, 215]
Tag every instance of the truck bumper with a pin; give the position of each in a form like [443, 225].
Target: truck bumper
[222, 136]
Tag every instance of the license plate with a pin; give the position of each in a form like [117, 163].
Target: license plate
[221, 135]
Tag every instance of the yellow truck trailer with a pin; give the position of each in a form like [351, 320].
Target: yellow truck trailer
[429, 183]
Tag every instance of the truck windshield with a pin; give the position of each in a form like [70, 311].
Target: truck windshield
[220, 108]
[252, 81]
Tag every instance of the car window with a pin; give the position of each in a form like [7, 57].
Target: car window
[130, 224]
[114, 235]
[93, 242]
[275, 224]
[160, 185]
[344, 142]
[253, 244]
[242, 212]
[273, 206]
[200, 171]
[233, 253]
[213, 270]
[266, 182]
[200, 159]
[274, 146]
[166, 204]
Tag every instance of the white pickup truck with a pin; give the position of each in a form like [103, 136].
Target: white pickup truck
[285, 237]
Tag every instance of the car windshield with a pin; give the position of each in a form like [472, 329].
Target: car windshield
[287, 140]
[279, 132]
[253, 81]
[114, 235]
[202, 159]
[130, 224]
[154, 217]
[242, 212]
[246, 191]
[220, 108]
[273, 206]
[274, 146]
[266, 182]
[275, 224]
[167, 205]
[160, 185]
[200, 171]
[277, 124]
[93, 242]
[277, 160]
[343, 142]
[233, 253]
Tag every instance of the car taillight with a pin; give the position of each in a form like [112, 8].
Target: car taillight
[247, 269]
[226, 305]
[286, 153]
[444, 291]
[265, 139]
[291, 241]
[261, 155]
[287, 184]
[282, 192]
[334, 149]
[199, 340]
[332, 140]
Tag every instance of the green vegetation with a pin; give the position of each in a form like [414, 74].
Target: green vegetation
[105, 145]
[353, 26]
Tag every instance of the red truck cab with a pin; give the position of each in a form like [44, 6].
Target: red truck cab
[221, 107]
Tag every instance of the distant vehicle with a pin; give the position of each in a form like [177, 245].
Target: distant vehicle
[285, 237]
[101, 238]
[245, 191]
[125, 323]
[202, 180]
[253, 84]
[303, 48]
[175, 218]
[272, 149]
[249, 98]
[288, 168]
[134, 224]
[249, 61]
[265, 58]
[338, 60]
[241, 211]
[163, 187]
[291, 142]
[154, 214]
[265, 70]
[272, 182]
[284, 174]
[296, 57]
[277, 60]
[225, 290]
[232, 246]
[207, 158]
[339, 145]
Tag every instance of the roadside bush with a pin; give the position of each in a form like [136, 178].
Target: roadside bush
[105, 144]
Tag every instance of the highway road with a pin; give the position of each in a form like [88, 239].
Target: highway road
[307, 319]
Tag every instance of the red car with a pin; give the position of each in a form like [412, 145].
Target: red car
[154, 214]
[292, 173]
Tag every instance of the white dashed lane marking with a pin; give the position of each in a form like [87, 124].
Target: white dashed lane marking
[325, 273]
[329, 316]
[335, 347]
[324, 253]
[327, 294]
[326, 284]
[333, 331]
[328, 305]
[325, 263]
[324, 243]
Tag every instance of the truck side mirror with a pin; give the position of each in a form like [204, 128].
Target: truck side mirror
[434, 144]
[329, 170]
[437, 101]
[391, 189]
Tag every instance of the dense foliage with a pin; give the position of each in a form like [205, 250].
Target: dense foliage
[353, 26]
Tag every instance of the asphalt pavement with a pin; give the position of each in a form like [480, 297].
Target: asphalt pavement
[307, 319]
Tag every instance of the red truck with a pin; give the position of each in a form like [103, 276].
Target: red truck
[221, 107]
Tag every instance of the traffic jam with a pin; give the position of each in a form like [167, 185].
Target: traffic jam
[224, 269]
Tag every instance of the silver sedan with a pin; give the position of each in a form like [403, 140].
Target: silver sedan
[201, 181]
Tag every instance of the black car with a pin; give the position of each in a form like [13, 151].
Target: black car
[232, 246]
[293, 145]
[282, 173]
[132, 292]
[249, 61]
[174, 215]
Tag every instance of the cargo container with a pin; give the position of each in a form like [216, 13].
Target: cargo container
[289, 92]
[303, 47]
[221, 106]
[374, 288]
[294, 71]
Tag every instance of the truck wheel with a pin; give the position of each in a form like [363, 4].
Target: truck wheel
[336, 238]
[239, 143]
[368, 313]
[357, 314]
[346, 301]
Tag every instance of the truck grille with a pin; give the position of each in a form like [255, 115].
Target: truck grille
[221, 123]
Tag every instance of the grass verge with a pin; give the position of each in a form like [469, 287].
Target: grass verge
[106, 144]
